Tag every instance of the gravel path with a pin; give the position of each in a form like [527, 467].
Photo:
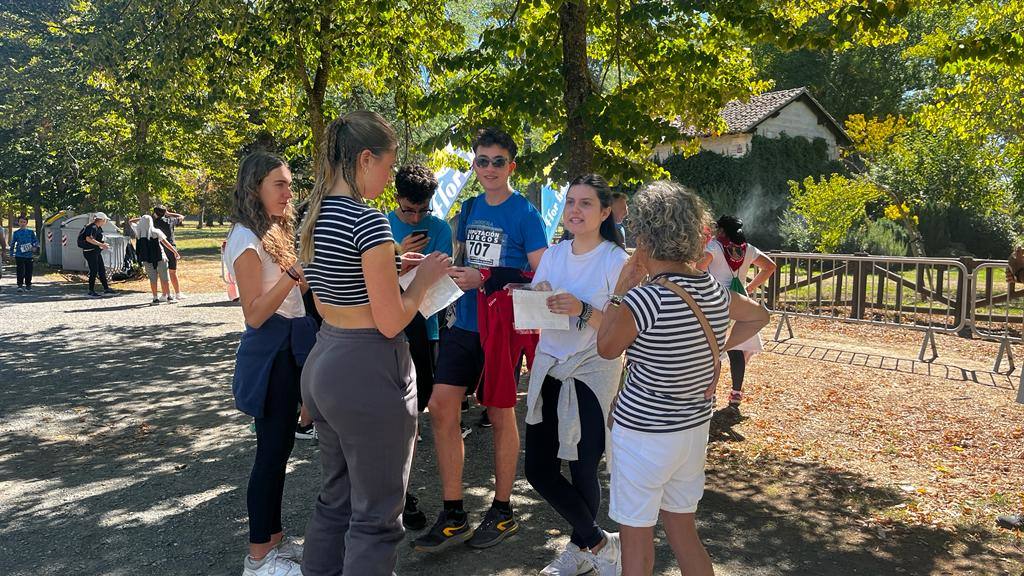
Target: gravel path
[121, 454]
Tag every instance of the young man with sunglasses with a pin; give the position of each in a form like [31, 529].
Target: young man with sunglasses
[498, 229]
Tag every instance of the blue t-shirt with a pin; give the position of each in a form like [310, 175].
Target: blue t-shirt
[439, 239]
[499, 235]
[23, 243]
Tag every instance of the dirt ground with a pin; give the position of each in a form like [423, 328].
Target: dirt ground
[121, 453]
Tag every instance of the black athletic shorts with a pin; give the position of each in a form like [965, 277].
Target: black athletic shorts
[172, 262]
[460, 359]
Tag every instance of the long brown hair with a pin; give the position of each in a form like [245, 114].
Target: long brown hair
[275, 232]
[344, 140]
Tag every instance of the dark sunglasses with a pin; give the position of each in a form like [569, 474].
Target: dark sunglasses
[484, 162]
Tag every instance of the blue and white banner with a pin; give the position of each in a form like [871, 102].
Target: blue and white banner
[552, 202]
[449, 183]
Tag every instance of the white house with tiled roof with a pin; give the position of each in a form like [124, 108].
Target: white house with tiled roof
[792, 112]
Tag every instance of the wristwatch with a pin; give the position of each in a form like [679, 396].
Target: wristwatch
[615, 300]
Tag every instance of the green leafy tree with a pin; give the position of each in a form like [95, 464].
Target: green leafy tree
[340, 53]
[596, 83]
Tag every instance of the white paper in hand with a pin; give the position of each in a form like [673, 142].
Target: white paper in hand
[530, 308]
[438, 297]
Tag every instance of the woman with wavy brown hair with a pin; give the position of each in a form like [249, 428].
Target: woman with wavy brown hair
[278, 335]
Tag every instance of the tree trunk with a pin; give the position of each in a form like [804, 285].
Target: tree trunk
[37, 215]
[202, 216]
[317, 90]
[572, 23]
[141, 140]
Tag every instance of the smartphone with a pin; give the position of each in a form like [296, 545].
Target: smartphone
[419, 233]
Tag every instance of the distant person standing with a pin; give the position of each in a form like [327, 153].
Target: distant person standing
[90, 240]
[166, 221]
[154, 251]
[619, 212]
[728, 257]
[23, 247]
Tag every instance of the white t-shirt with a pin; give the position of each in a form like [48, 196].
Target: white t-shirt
[590, 277]
[241, 239]
[719, 268]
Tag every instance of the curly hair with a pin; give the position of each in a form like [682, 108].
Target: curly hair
[495, 137]
[275, 232]
[416, 183]
[668, 221]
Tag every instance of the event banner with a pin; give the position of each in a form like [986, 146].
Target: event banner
[449, 183]
[552, 201]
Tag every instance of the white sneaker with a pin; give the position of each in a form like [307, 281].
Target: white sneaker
[571, 562]
[180, 296]
[172, 300]
[271, 565]
[608, 561]
[290, 550]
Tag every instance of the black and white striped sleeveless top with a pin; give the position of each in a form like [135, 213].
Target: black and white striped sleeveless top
[344, 230]
[670, 363]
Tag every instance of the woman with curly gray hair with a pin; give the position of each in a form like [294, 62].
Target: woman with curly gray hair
[672, 329]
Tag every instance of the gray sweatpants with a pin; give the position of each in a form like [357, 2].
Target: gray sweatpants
[360, 389]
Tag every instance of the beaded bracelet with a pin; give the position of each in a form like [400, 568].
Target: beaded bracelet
[585, 315]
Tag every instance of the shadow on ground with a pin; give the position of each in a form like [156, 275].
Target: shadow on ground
[121, 454]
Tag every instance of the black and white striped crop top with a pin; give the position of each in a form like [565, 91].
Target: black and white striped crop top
[344, 230]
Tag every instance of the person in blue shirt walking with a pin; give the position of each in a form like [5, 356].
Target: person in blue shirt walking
[23, 247]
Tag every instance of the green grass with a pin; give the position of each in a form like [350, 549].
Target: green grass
[205, 243]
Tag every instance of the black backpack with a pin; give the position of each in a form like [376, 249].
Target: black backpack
[82, 235]
[148, 250]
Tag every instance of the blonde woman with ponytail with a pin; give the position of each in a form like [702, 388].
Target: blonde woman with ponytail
[359, 381]
[278, 335]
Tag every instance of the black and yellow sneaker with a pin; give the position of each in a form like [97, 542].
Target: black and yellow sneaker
[495, 527]
[444, 533]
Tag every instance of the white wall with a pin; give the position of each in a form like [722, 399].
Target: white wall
[797, 119]
[728, 145]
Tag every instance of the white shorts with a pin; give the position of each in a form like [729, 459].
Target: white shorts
[653, 472]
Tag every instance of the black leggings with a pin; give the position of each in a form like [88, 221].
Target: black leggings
[96, 268]
[577, 501]
[275, 437]
[737, 367]
[24, 271]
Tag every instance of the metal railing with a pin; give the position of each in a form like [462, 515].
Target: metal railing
[997, 309]
[926, 294]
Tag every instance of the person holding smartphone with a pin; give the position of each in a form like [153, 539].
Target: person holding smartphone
[417, 229]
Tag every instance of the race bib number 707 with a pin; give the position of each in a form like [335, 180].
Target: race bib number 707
[483, 247]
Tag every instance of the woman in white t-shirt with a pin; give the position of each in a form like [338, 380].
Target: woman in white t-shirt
[728, 258]
[571, 387]
[260, 253]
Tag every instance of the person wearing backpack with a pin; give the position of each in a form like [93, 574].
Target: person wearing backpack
[152, 248]
[90, 240]
[728, 258]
